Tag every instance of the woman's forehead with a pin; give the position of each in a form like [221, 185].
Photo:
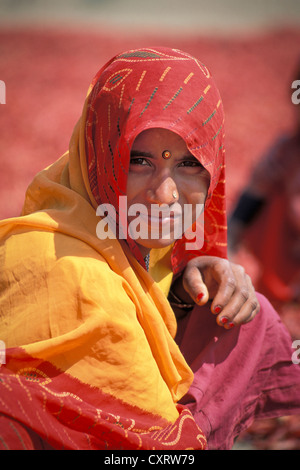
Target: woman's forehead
[159, 136]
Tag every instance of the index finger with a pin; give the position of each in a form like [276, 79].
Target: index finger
[226, 281]
[194, 285]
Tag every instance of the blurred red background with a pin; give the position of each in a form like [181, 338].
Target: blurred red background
[47, 72]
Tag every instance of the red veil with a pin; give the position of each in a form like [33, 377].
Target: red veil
[158, 87]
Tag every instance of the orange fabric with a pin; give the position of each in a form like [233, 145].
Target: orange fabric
[84, 305]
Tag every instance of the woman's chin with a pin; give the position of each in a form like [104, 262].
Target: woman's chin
[149, 244]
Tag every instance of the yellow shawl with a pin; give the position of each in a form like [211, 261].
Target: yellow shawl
[85, 304]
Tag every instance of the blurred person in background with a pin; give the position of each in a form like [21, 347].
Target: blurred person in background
[266, 218]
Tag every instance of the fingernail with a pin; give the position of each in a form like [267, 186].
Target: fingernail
[217, 309]
[199, 297]
[230, 325]
[224, 320]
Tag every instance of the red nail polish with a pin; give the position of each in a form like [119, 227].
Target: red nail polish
[217, 309]
[224, 320]
[231, 325]
[199, 297]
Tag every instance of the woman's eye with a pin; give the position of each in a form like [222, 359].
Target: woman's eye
[190, 163]
[138, 161]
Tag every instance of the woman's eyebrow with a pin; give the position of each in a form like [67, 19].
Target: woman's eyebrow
[188, 157]
[140, 153]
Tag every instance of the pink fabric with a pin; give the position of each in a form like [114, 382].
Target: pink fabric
[240, 374]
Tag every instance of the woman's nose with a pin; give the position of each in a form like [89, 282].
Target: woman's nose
[163, 192]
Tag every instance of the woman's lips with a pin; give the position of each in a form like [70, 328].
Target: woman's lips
[161, 217]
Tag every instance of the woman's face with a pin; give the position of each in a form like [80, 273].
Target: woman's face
[162, 187]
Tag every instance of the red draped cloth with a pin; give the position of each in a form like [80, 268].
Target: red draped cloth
[43, 408]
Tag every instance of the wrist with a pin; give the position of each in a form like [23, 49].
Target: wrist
[178, 297]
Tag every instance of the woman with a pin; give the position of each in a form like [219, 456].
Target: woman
[85, 287]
